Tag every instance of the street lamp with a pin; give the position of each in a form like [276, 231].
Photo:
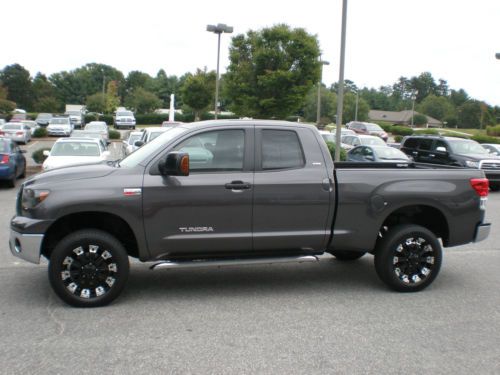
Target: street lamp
[357, 105]
[340, 96]
[413, 98]
[318, 113]
[218, 29]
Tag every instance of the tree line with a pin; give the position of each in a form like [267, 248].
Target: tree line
[272, 73]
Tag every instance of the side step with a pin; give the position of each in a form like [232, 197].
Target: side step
[233, 262]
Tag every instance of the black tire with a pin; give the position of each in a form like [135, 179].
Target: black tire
[88, 268]
[494, 187]
[419, 264]
[23, 173]
[346, 256]
[12, 182]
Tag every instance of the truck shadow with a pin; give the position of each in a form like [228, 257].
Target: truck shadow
[264, 280]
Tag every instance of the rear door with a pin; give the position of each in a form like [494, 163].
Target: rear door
[425, 153]
[291, 191]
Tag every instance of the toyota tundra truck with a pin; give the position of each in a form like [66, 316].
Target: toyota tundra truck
[235, 192]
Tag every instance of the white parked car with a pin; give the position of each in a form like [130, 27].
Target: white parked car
[75, 151]
[16, 131]
[128, 144]
[148, 134]
[98, 127]
[124, 119]
[60, 126]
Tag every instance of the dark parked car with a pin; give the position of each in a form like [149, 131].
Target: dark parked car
[12, 161]
[368, 128]
[379, 154]
[43, 119]
[454, 152]
[492, 148]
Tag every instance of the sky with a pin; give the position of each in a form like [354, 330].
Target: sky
[455, 40]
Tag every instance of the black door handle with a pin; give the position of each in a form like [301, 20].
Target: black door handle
[237, 185]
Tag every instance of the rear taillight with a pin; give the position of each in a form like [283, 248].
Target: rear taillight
[2, 133]
[5, 159]
[481, 186]
[19, 133]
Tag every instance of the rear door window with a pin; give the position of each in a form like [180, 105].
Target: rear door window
[425, 144]
[281, 149]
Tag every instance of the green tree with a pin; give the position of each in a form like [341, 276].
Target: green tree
[17, 80]
[198, 90]
[96, 103]
[328, 105]
[6, 106]
[48, 104]
[469, 115]
[271, 71]
[143, 101]
[112, 99]
[349, 113]
[419, 119]
[424, 85]
[438, 107]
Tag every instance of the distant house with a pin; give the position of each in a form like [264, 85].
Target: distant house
[401, 118]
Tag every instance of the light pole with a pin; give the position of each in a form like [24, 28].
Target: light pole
[413, 98]
[318, 113]
[218, 29]
[340, 97]
[357, 104]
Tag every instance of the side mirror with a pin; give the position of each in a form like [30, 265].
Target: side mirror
[175, 164]
[441, 149]
[139, 143]
[46, 153]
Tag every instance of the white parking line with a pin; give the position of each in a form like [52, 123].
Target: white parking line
[31, 145]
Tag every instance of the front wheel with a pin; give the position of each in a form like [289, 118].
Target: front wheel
[88, 268]
[408, 258]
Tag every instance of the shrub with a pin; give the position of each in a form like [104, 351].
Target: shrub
[493, 130]
[428, 131]
[40, 133]
[398, 138]
[108, 119]
[401, 130]
[387, 127]
[331, 148]
[114, 134]
[481, 138]
[38, 155]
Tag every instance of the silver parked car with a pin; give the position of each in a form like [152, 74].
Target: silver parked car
[98, 127]
[60, 126]
[16, 131]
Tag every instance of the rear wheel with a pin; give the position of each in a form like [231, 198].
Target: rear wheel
[12, 182]
[88, 268]
[408, 258]
[346, 256]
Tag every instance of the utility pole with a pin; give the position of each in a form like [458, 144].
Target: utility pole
[340, 97]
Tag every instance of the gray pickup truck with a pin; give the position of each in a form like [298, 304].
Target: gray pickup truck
[241, 192]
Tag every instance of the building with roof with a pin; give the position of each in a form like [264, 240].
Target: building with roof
[401, 118]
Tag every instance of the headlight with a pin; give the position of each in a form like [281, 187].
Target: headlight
[31, 197]
[472, 164]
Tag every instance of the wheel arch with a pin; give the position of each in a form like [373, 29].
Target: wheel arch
[427, 216]
[108, 222]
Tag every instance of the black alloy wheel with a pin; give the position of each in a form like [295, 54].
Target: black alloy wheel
[408, 258]
[88, 268]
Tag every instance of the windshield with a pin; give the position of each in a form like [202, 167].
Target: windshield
[75, 149]
[74, 113]
[372, 141]
[390, 153]
[125, 113]
[133, 138]
[58, 121]
[373, 128]
[152, 147]
[44, 115]
[465, 147]
[95, 127]
[12, 127]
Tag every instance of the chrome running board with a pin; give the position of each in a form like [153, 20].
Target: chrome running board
[232, 262]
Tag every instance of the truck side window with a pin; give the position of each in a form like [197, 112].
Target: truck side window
[221, 150]
[425, 144]
[281, 149]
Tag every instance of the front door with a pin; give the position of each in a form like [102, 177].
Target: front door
[209, 211]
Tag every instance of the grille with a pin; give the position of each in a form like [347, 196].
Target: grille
[490, 165]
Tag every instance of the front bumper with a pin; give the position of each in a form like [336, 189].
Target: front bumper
[26, 246]
[482, 232]
[59, 132]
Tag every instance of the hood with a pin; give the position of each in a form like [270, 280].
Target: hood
[80, 172]
[65, 161]
[478, 157]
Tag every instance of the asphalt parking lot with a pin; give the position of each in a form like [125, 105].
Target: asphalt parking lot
[330, 317]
